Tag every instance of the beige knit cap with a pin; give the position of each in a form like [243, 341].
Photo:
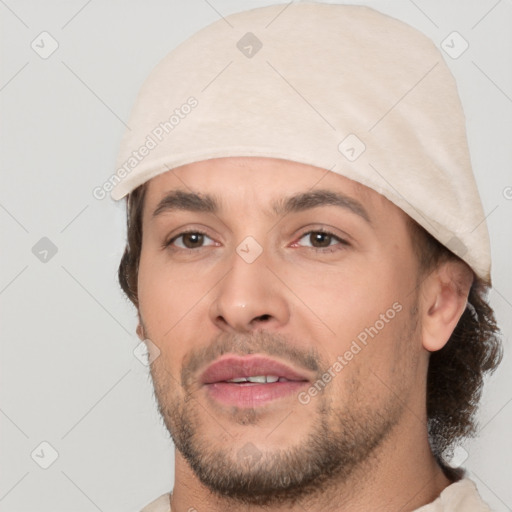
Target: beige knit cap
[339, 87]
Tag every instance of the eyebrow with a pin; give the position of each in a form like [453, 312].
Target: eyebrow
[188, 201]
[316, 198]
[206, 203]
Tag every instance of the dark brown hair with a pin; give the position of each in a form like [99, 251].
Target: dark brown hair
[129, 267]
[456, 372]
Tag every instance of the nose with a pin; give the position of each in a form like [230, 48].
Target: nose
[249, 297]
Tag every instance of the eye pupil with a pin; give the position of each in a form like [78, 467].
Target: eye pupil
[193, 240]
[321, 239]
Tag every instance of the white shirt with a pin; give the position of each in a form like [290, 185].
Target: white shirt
[461, 496]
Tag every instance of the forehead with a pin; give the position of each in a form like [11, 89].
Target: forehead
[256, 180]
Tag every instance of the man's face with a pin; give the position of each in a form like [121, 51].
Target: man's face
[318, 292]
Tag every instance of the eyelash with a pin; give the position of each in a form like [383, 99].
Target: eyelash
[344, 243]
[168, 244]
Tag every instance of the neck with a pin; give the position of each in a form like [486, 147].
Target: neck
[402, 474]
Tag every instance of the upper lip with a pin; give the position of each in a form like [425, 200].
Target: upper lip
[231, 366]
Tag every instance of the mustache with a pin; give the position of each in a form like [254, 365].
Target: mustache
[259, 342]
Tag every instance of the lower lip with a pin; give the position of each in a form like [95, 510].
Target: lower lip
[252, 394]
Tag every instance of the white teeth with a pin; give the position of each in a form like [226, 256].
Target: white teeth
[258, 379]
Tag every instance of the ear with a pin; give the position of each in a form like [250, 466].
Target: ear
[140, 331]
[444, 298]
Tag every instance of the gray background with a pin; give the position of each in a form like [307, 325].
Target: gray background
[69, 376]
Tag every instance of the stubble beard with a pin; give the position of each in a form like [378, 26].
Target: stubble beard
[342, 438]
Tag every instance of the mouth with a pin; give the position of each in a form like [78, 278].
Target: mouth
[251, 381]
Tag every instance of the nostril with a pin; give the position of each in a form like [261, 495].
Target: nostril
[263, 318]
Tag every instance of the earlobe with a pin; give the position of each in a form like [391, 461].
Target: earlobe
[140, 331]
[445, 297]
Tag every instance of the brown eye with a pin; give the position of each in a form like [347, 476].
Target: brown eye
[322, 240]
[191, 240]
[319, 239]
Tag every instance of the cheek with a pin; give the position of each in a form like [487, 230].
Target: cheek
[363, 309]
[172, 302]
[348, 299]
[376, 358]
[155, 293]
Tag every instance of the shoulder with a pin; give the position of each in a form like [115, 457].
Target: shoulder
[461, 496]
[161, 504]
